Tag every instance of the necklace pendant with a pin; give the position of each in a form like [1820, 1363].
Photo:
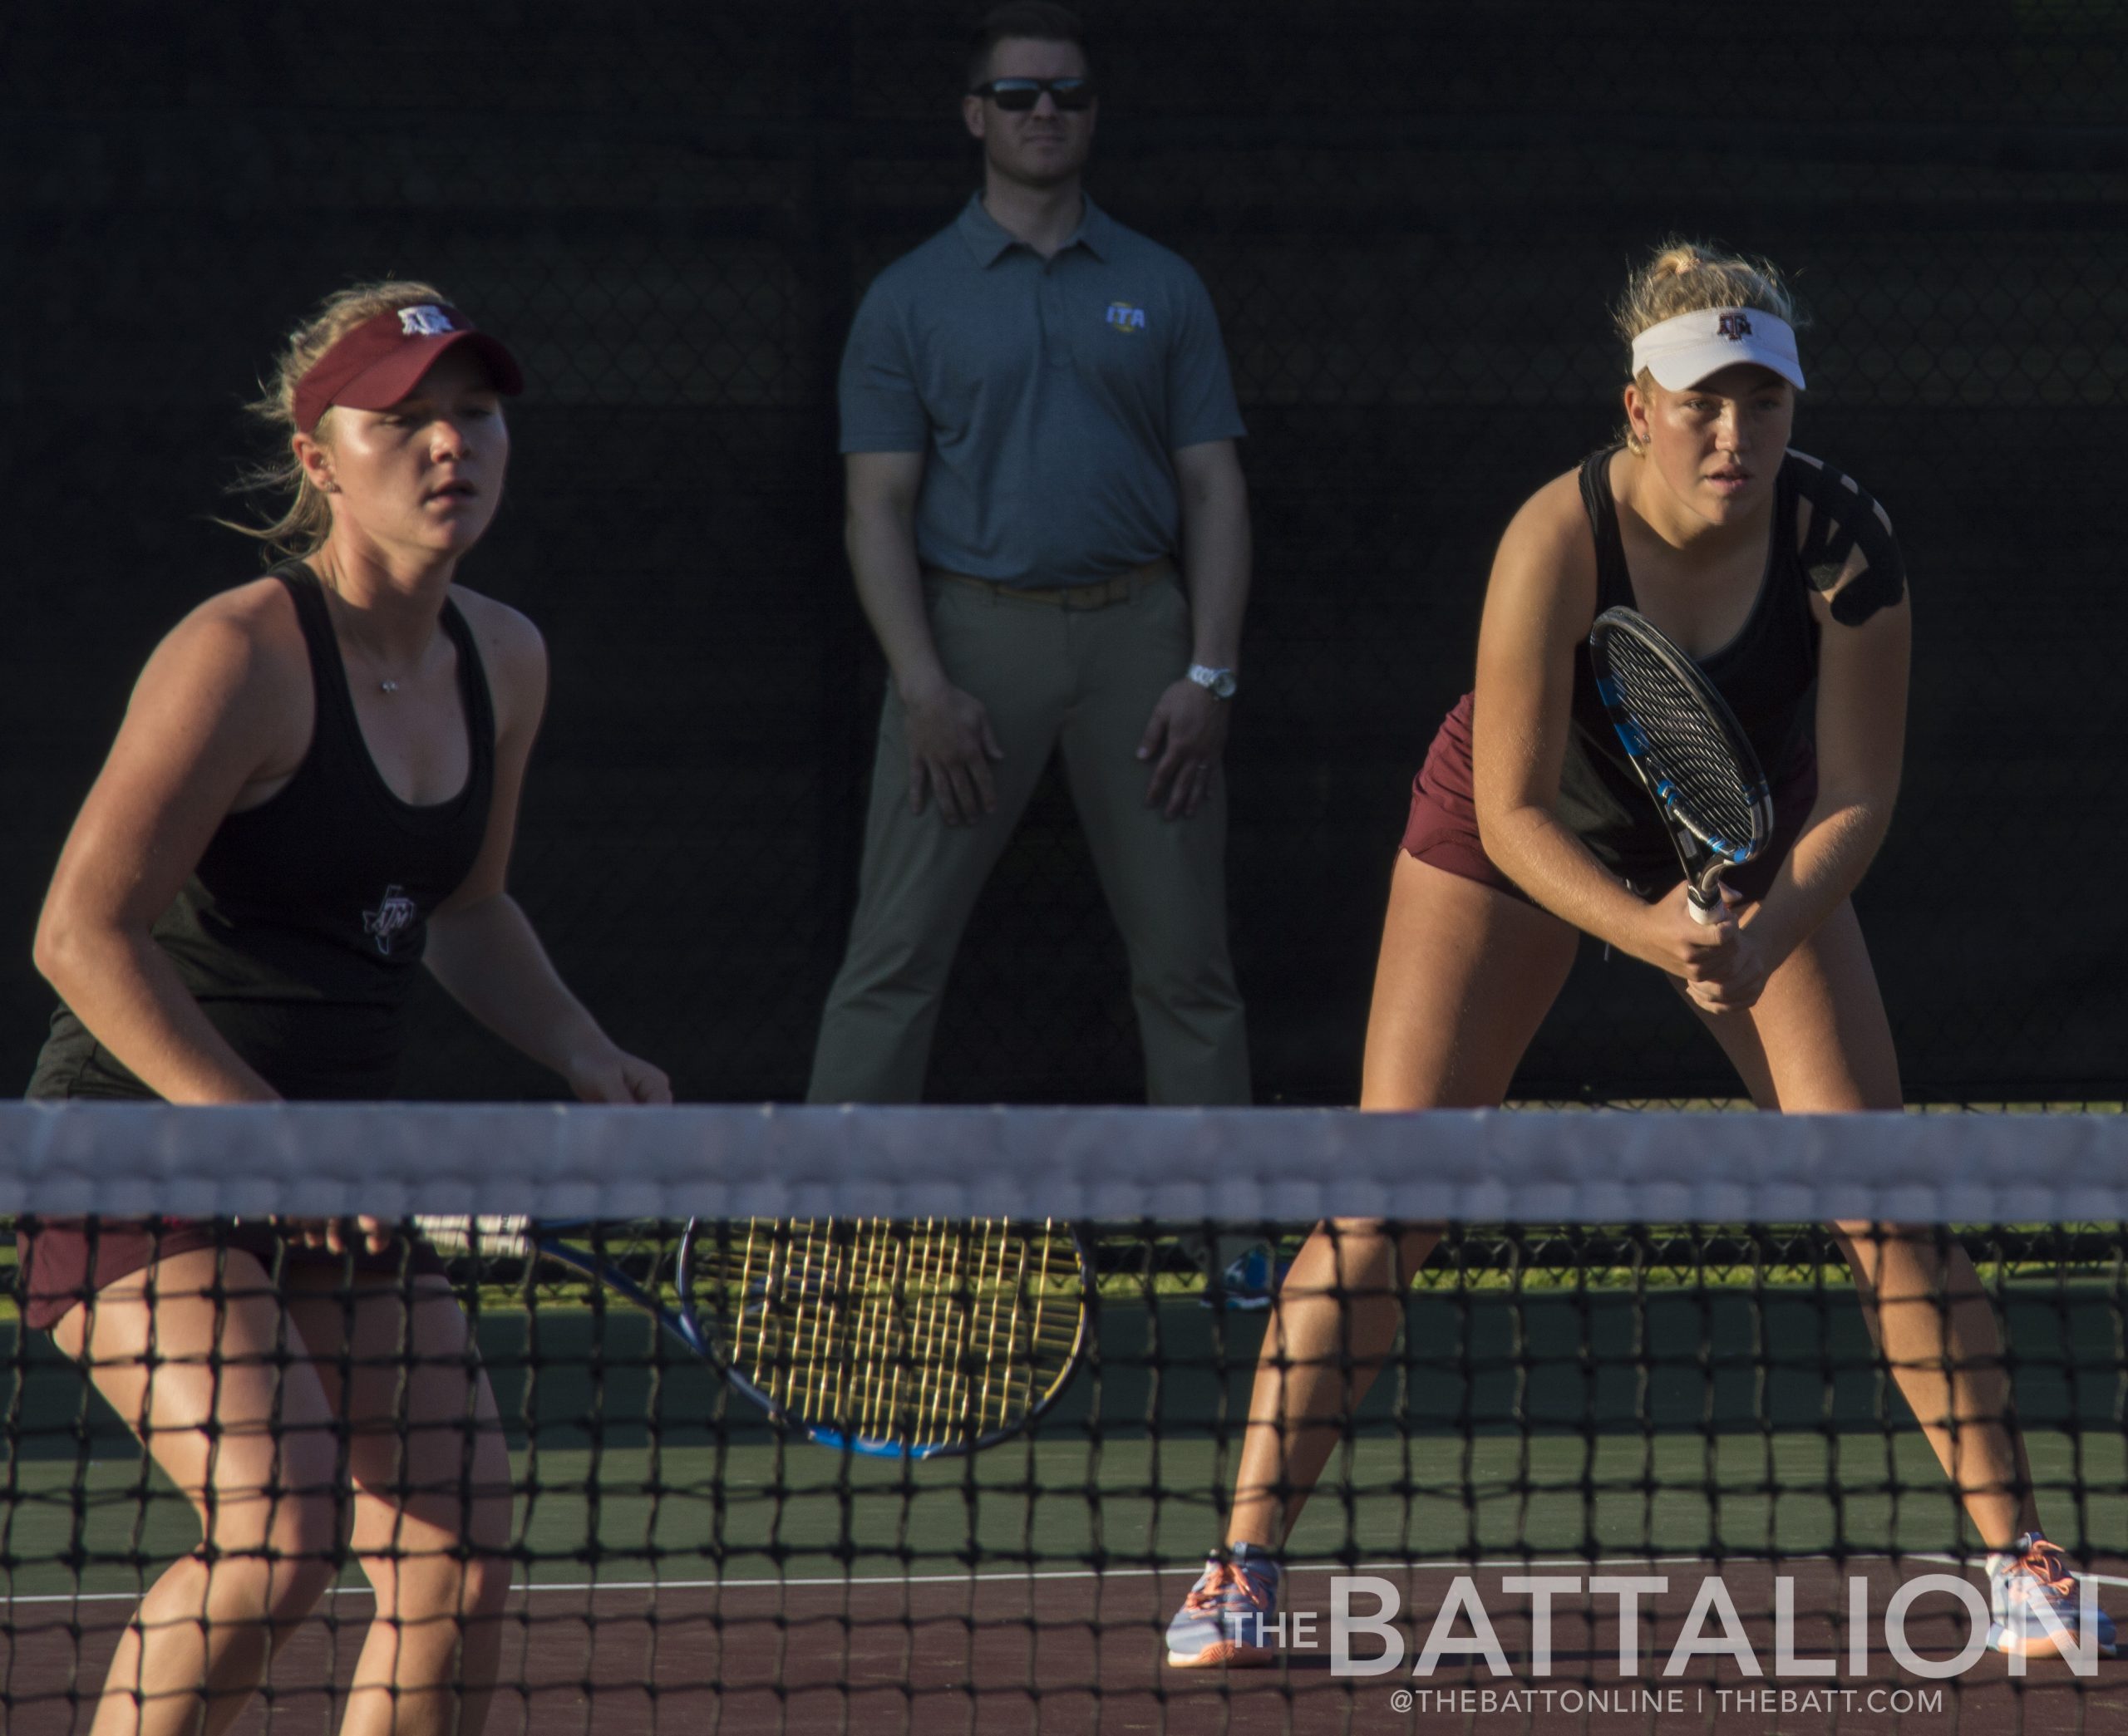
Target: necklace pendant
[388, 686]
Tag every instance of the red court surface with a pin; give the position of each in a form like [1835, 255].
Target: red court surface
[1080, 1654]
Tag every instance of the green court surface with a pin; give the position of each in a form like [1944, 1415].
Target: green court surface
[1702, 1423]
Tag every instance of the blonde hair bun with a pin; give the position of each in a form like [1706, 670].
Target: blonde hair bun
[1690, 277]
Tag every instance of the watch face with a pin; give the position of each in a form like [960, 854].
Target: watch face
[1223, 685]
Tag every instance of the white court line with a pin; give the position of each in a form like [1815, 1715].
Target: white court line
[961, 1579]
[1952, 1561]
[886, 1580]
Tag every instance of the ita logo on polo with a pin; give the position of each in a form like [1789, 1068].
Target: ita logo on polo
[426, 321]
[1125, 317]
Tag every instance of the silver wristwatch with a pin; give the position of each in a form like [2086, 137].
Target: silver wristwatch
[1220, 683]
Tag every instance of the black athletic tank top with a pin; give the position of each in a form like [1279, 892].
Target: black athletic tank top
[301, 930]
[1768, 672]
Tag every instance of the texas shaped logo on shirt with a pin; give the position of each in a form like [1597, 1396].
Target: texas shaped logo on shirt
[394, 915]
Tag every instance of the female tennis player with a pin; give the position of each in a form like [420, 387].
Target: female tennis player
[312, 795]
[1528, 828]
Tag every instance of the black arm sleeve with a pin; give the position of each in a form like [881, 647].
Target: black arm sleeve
[1844, 518]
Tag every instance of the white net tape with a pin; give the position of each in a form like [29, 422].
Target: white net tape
[550, 1161]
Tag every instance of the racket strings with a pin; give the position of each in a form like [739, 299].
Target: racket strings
[912, 1333]
[1690, 755]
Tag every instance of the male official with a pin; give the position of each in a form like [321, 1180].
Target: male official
[1036, 420]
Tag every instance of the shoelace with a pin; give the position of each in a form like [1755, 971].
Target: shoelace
[2047, 1565]
[1222, 1577]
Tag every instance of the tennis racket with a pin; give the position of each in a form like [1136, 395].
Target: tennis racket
[916, 1339]
[1688, 750]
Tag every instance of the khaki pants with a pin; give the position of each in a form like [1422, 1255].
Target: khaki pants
[1082, 683]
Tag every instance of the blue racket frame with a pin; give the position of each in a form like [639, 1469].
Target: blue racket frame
[548, 1240]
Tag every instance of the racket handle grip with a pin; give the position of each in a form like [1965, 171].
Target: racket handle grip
[1705, 914]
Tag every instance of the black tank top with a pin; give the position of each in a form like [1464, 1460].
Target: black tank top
[1768, 672]
[301, 930]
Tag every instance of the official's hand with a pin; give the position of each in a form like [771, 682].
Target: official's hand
[1184, 738]
[951, 747]
[611, 1075]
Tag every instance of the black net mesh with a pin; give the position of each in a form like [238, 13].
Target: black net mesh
[629, 1544]
[436, 1447]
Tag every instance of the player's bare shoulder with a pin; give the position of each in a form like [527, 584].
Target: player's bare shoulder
[505, 635]
[1548, 546]
[244, 645]
[1554, 513]
[229, 684]
[1844, 543]
[512, 653]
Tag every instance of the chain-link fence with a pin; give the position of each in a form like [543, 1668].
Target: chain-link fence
[1413, 217]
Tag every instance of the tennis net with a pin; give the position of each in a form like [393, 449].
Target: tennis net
[783, 1438]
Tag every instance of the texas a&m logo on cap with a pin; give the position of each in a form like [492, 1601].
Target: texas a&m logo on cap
[1734, 327]
[426, 321]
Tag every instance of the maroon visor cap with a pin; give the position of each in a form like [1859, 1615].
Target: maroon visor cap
[381, 361]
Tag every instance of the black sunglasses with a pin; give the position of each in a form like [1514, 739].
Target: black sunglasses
[1019, 95]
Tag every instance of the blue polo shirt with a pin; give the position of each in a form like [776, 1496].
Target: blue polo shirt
[1046, 395]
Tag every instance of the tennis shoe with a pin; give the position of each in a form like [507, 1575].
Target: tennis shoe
[2036, 1603]
[1249, 1282]
[1223, 1619]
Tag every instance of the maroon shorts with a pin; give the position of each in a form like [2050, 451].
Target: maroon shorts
[1442, 829]
[63, 1261]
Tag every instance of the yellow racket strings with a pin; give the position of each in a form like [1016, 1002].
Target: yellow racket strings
[917, 1333]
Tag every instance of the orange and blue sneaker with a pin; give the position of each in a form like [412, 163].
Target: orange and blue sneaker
[1223, 1619]
[2037, 1604]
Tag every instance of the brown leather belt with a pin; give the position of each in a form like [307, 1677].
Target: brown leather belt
[1098, 595]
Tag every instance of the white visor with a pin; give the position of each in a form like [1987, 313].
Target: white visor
[1684, 351]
